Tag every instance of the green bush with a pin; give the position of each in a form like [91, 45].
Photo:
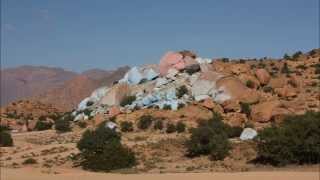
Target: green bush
[295, 141]
[182, 90]
[126, 126]
[158, 125]
[166, 107]
[250, 84]
[62, 125]
[29, 161]
[171, 128]
[245, 108]
[5, 139]
[43, 125]
[127, 100]
[181, 127]
[209, 138]
[145, 122]
[101, 150]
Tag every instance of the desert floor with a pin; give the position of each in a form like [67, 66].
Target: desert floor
[32, 174]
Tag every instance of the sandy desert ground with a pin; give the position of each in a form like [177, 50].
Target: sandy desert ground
[32, 174]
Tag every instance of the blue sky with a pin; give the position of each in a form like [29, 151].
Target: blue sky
[83, 34]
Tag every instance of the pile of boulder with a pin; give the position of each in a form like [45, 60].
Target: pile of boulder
[158, 86]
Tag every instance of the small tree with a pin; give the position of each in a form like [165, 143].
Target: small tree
[126, 126]
[102, 150]
[145, 122]
[181, 127]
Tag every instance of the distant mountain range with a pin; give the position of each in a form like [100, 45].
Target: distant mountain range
[56, 86]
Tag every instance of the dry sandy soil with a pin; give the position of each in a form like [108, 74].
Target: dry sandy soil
[160, 156]
[31, 174]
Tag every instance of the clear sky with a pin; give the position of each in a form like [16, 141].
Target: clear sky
[84, 34]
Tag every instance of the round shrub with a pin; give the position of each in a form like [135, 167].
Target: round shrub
[295, 141]
[171, 128]
[250, 84]
[62, 125]
[29, 161]
[145, 122]
[126, 126]
[181, 127]
[5, 139]
[102, 150]
[42, 125]
[158, 125]
[209, 138]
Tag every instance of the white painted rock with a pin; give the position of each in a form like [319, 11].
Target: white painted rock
[248, 134]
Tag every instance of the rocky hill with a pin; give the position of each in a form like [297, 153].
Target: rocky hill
[64, 89]
[26, 81]
[244, 91]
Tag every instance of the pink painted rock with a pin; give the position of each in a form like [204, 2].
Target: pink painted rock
[263, 76]
[169, 60]
[114, 111]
